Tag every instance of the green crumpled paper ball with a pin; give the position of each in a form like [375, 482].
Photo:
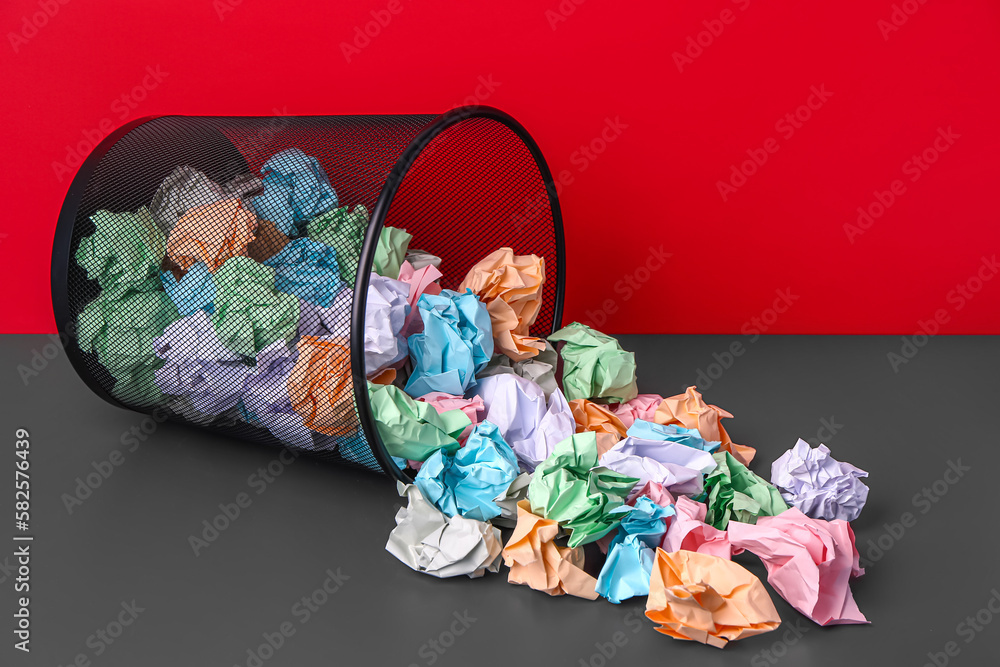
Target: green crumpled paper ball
[570, 488]
[123, 254]
[594, 365]
[413, 429]
[250, 313]
[345, 231]
[121, 333]
[734, 492]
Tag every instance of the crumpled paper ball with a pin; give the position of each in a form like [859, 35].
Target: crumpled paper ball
[691, 437]
[197, 366]
[706, 599]
[296, 189]
[467, 483]
[332, 321]
[418, 259]
[654, 491]
[737, 493]
[308, 270]
[320, 386]
[689, 532]
[642, 406]
[573, 489]
[508, 500]
[266, 399]
[193, 292]
[511, 287]
[421, 281]
[390, 252]
[211, 233]
[809, 562]
[531, 425]
[590, 416]
[123, 254]
[594, 365]
[344, 231]
[678, 468]
[535, 560]
[385, 315]
[250, 313]
[410, 429]
[473, 407]
[454, 345]
[267, 242]
[629, 564]
[428, 541]
[121, 332]
[818, 484]
[691, 411]
[540, 369]
[186, 188]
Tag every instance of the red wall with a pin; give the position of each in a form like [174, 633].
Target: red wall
[673, 126]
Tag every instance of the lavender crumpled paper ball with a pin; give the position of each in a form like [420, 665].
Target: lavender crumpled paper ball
[385, 314]
[266, 399]
[820, 486]
[332, 321]
[198, 366]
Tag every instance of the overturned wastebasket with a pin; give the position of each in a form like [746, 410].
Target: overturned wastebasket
[216, 270]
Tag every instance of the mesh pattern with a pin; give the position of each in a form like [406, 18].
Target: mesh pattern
[474, 188]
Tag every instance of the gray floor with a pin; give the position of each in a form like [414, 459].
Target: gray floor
[124, 553]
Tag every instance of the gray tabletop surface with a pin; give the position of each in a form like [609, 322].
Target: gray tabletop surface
[115, 579]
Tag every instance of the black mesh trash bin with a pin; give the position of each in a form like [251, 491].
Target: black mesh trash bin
[194, 255]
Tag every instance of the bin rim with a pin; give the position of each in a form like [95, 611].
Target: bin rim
[377, 222]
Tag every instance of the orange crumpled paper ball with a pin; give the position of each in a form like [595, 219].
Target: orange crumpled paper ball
[691, 411]
[211, 233]
[511, 287]
[534, 558]
[590, 416]
[707, 599]
[320, 387]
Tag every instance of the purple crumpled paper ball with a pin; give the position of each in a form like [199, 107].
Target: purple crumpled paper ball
[820, 486]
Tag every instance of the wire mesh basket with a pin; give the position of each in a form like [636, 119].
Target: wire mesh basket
[216, 270]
